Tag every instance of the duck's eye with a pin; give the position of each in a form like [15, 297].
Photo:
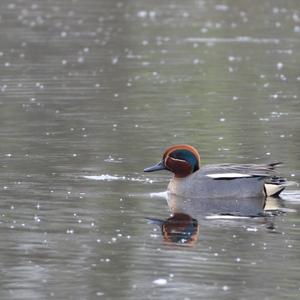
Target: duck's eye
[175, 155]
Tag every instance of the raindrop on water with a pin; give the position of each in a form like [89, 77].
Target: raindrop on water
[160, 281]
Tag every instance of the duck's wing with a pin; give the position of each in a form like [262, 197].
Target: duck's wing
[227, 171]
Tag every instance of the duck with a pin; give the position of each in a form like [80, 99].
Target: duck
[227, 180]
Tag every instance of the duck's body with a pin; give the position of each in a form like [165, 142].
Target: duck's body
[198, 185]
[229, 180]
[217, 181]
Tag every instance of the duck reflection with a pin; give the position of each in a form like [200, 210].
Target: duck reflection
[183, 229]
[180, 229]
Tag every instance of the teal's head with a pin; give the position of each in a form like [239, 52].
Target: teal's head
[182, 160]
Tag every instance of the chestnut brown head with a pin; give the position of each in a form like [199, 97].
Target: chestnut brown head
[182, 160]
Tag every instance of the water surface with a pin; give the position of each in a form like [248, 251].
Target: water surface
[100, 88]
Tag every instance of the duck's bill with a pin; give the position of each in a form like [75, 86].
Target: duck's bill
[157, 167]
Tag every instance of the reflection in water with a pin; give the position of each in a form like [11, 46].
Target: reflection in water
[183, 229]
[179, 229]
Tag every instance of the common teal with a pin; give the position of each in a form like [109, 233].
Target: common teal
[219, 180]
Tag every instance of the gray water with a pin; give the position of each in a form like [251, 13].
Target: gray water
[91, 93]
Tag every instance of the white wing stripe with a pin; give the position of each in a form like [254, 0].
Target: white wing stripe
[228, 175]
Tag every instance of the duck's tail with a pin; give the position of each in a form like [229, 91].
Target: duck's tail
[275, 185]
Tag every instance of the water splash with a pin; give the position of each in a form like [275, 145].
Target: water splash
[107, 177]
[291, 196]
[159, 195]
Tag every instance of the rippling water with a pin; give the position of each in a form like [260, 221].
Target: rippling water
[91, 93]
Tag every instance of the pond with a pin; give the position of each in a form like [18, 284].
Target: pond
[92, 92]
